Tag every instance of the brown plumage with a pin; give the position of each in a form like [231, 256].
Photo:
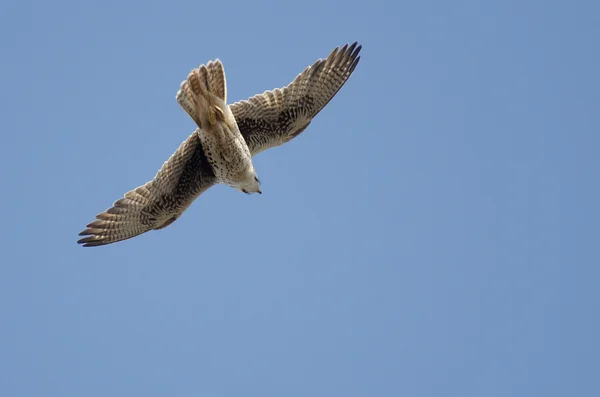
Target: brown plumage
[203, 96]
[265, 120]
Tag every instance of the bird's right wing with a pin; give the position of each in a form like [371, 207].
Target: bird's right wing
[157, 203]
[275, 117]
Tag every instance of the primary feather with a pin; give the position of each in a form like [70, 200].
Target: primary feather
[264, 121]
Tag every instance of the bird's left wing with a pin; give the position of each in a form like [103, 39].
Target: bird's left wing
[275, 117]
[158, 203]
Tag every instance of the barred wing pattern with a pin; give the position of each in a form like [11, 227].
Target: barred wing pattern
[266, 120]
[276, 117]
[157, 203]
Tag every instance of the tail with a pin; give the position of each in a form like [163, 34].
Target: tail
[203, 83]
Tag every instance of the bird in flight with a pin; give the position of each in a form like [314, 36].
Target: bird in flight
[220, 150]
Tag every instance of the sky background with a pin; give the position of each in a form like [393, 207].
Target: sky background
[434, 232]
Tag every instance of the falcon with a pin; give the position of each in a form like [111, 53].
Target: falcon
[220, 150]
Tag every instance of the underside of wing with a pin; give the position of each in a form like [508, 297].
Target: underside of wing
[275, 117]
[157, 203]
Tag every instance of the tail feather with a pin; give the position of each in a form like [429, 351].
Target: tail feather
[202, 82]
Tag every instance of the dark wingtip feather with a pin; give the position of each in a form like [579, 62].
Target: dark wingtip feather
[352, 47]
[93, 236]
[92, 243]
[93, 240]
[86, 241]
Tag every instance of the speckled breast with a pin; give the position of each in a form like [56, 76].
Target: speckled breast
[228, 155]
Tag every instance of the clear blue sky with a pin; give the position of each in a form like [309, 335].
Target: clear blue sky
[433, 233]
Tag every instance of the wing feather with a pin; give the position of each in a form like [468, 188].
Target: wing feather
[275, 117]
[157, 203]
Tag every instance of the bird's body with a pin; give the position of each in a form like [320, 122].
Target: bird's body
[229, 156]
[203, 96]
[220, 150]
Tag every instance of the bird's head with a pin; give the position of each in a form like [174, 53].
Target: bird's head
[251, 186]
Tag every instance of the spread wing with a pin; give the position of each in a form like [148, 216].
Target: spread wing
[275, 117]
[159, 202]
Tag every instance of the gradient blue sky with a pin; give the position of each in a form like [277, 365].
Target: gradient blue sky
[433, 233]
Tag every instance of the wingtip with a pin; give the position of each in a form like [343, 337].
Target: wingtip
[354, 49]
[94, 240]
[86, 241]
[347, 53]
[87, 244]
